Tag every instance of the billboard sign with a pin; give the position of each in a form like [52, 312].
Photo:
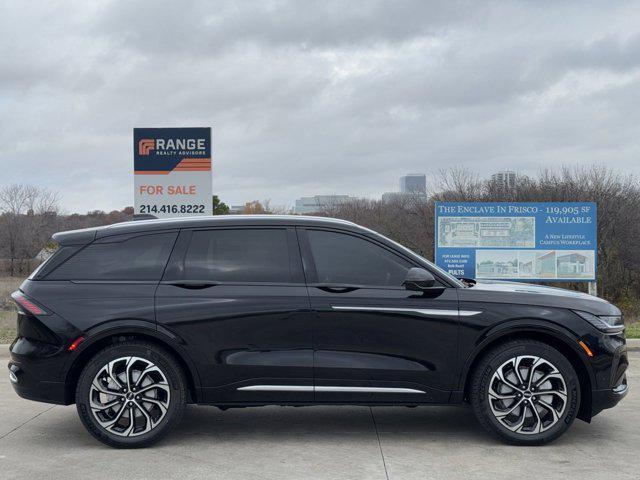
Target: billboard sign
[172, 171]
[517, 241]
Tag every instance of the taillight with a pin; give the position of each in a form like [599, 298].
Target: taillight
[23, 301]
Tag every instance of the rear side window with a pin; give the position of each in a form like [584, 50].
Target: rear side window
[346, 259]
[133, 258]
[240, 255]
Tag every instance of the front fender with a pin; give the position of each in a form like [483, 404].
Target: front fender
[524, 327]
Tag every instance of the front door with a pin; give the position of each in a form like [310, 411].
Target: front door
[236, 297]
[375, 341]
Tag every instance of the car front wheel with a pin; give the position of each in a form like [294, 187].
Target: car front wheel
[131, 394]
[525, 392]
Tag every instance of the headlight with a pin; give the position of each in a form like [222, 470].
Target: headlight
[604, 323]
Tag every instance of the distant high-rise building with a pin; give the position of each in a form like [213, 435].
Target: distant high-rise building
[235, 209]
[413, 183]
[507, 179]
[320, 203]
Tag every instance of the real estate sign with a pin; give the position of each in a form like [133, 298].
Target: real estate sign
[172, 171]
[517, 241]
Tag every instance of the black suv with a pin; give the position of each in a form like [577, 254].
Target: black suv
[132, 321]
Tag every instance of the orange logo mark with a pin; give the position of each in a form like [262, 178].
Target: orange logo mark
[145, 145]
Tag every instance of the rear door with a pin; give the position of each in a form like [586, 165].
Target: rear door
[237, 299]
[374, 340]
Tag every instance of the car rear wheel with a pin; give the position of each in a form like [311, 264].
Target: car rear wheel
[131, 394]
[525, 392]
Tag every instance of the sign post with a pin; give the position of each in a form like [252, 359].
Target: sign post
[172, 171]
[544, 241]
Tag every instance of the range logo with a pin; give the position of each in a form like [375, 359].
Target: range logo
[145, 145]
[169, 146]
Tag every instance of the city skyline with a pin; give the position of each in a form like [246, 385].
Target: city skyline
[322, 200]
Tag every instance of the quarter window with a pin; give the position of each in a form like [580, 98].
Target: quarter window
[139, 258]
[346, 259]
[241, 255]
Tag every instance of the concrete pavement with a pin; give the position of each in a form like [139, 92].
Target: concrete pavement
[44, 441]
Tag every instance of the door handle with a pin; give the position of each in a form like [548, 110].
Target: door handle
[336, 288]
[192, 284]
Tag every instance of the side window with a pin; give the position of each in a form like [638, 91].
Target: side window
[240, 255]
[134, 258]
[346, 259]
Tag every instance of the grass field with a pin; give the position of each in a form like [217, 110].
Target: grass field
[7, 325]
[7, 308]
[633, 330]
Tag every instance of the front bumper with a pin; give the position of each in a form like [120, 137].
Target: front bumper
[609, 366]
[603, 399]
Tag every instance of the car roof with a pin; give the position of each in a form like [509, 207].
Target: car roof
[86, 235]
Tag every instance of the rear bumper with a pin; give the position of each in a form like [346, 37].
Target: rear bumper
[32, 371]
[28, 387]
[48, 392]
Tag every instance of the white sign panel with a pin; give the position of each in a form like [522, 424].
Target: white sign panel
[172, 171]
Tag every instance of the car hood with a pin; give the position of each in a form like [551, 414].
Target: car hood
[500, 286]
[530, 294]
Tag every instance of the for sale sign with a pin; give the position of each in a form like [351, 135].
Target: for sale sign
[172, 171]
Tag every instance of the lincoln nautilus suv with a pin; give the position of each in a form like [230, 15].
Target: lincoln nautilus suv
[133, 321]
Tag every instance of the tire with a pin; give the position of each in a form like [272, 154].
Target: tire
[156, 393]
[525, 416]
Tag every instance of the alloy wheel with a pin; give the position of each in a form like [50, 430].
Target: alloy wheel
[129, 396]
[527, 394]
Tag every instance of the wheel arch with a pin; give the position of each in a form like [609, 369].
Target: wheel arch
[114, 334]
[558, 339]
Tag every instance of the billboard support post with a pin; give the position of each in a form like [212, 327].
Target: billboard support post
[593, 288]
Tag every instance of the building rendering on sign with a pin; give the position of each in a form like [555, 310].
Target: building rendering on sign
[574, 264]
[545, 264]
[506, 180]
[486, 232]
[319, 203]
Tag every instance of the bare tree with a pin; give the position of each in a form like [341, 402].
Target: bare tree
[411, 220]
[28, 218]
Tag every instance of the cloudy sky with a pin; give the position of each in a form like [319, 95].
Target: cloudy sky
[314, 97]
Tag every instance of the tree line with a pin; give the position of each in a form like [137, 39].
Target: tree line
[30, 215]
[410, 219]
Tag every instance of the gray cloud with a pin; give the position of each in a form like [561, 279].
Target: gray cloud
[315, 97]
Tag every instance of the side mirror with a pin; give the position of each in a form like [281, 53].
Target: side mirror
[418, 279]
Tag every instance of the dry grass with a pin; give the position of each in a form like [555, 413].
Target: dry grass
[633, 330]
[7, 308]
[8, 285]
[7, 326]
